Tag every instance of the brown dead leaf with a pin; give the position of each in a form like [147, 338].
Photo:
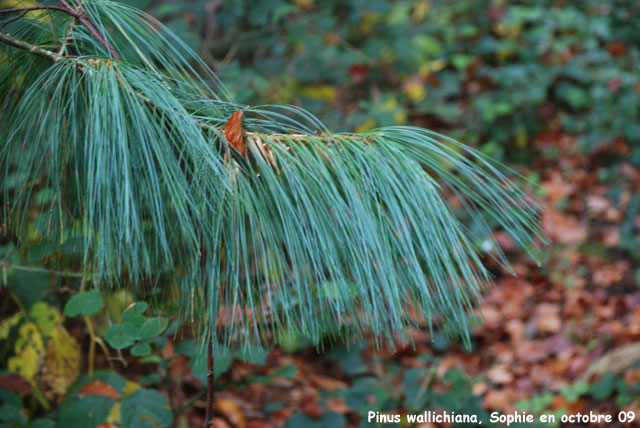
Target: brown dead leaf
[500, 375]
[616, 361]
[617, 48]
[311, 407]
[492, 316]
[479, 388]
[499, 399]
[610, 273]
[258, 423]
[231, 411]
[611, 236]
[15, 383]
[337, 405]
[167, 350]
[557, 187]
[233, 132]
[280, 417]
[560, 403]
[547, 318]
[515, 328]
[632, 376]
[98, 387]
[563, 228]
[220, 423]
[325, 382]
[532, 352]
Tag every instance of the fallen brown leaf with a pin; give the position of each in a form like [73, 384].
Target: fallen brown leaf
[563, 228]
[98, 387]
[231, 411]
[500, 375]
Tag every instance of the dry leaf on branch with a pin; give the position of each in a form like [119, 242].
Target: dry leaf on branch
[233, 132]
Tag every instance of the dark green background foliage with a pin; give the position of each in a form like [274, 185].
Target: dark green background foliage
[495, 72]
[498, 75]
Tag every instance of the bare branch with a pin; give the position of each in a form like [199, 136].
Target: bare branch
[29, 9]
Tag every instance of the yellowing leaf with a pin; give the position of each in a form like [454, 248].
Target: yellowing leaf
[522, 138]
[7, 324]
[60, 365]
[303, 3]
[400, 117]
[114, 414]
[331, 38]
[390, 103]
[25, 364]
[117, 303]
[420, 11]
[130, 388]
[230, 409]
[45, 316]
[8, 4]
[366, 125]
[369, 20]
[29, 337]
[509, 31]
[432, 66]
[415, 90]
[28, 351]
[321, 92]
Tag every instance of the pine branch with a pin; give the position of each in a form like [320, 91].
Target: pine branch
[312, 233]
[21, 44]
[283, 138]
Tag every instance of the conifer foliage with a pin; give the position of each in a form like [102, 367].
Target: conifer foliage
[257, 221]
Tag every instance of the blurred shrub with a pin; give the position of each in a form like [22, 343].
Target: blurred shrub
[490, 72]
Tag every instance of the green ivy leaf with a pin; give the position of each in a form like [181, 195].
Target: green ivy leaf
[328, 420]
[603, 389]
[86, 412]
[42, 423]
[287, 372]
[13, 415]
[145, 409]
[153, 327]
[85, 303]
[121, 336]
[136, 309]
[573, 392]
[141, 349]
[253, 354]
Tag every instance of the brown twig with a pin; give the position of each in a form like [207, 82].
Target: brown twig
[208, 419]
[210, 386]
[14, 19]
[85, 20]
[69, 10]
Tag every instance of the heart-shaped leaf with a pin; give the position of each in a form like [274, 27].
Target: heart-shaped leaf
[85, 303]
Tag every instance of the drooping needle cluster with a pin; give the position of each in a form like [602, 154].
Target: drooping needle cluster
[288, 228]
